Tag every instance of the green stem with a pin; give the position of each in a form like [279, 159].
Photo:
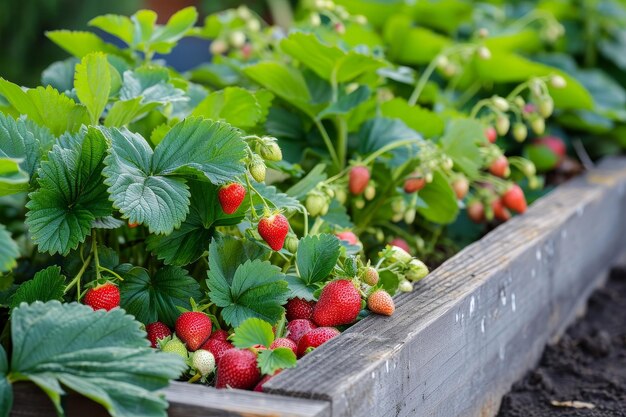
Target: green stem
[328, 142]
[342, 140]
[281, 12]
[94, 250]
[389, 147]
[423, 79]
[115, 274]
[305, 214]
[250, 188]
[78, 275]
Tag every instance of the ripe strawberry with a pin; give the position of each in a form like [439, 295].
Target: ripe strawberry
[132, 225]
[339, 303]
[401, 243]
[298, 328]
[514, 199]
[348, 236]
[500, 167]
[285, 343]
[380, 302]
[273, 230]
[476, 211]
[104, 296]
[297, 308]
[359, 178]
[491, 134]
[193, 328]
[259, 386]
[237, 369]
[499, 211]
[460, 187]
[217, 347]
[157, 331]
[555, 145]
[220, 335]
[315, 338]
[231, 196]
[412, 185]
[370, 276]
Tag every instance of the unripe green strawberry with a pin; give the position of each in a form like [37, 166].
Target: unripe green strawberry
[380, 302]
[315, 203]
[398, 254]
[237, 39]
[520, 132]
[405, 286]
[546, 107]
[291, 243]
[359, 203]
[257, 169]
[175, 345]
[538, 125]
[370, 192]
[270, 151]
[203, 362]
[417, 270]
[409, 216]
[369, 275]
[556, 81]
[341, 195]
[500, 103]
[502, 125]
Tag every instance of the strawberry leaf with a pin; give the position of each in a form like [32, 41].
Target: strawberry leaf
[158, 298]
[226, 253]
[46, 285]
[71, 194]
[22, 139]
[251, 332]
[271, 361]
[317, 256]
[258, 289]
[300, 289]
[60, 74]
[102, 355]
[6, 392]
[8, 251]
[151, 84]
[437, 201]
[93, 84]
[12, 179]
[459, 143]
[381, 131]
[276, 198]
[80, 43]
[234, 105]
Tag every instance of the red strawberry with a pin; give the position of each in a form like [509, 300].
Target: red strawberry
[460, 187]
[237, 369]
[285, 343]
[348, 236]
[529, 108]
[220, 335]
[339, 303]
[157, 331]
[273, 230]
[217, 347]
[499, 211]
[380, 302]
[104, 296]
[401, 243]
[193, 328]
[412, 185]
[500, 167]
[556, 145]
[259, 386]
[476, 211]
[491, 134]
[315, 338]
[132, 225]
[298, 328]
[359, 178]
[297, 308]
[514, 199]
[231, 196]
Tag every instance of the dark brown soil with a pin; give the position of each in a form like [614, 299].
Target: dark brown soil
[587, 365]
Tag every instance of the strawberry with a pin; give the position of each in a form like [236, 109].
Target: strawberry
[339, 303]
[370, 276]
[298, 328]
[157, 331]
[514, 199]
[259, 386]
[175, 346]
[217, 347]
[491, 134]
[193, 328]
[348, 236]
[132, 225]
[104, 296]
[556, 145]
[500, 167]
[460, 187]
[315, 338]
[237, 369]
[401, 243]
[273, 230]
[220, 335]
[380, 302]
[359, 178]
[476, 211]
[297, 308]
[499, 211]
[203, 362]
[231, 196]
[412, 185]
[284, 343]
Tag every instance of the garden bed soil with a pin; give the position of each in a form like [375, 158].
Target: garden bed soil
[587, 365]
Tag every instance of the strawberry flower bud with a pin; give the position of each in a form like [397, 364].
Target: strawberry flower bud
[417, 270]
[538, 125]
[399, 255]
[370, 192]
[500, 103]
[556, 81]
[315, 203]
[502, 125]
[520, 132]
[546, 107]
[405, 286]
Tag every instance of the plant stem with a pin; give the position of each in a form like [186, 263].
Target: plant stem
[389, 147]
[342, 140]
[78, 275]
[421, 82]
[281, 12]
[94, 250]
[328, 142]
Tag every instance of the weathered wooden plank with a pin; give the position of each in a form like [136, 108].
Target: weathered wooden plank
[188, 400]
[477, 323]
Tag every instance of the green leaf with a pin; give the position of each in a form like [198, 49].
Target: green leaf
[158, 298]
[300, 189]
[116, 25]
[541, 156]
[71, 194]
[252, 332]
[275, 198]
[401, 36]
[60, 74]
[9, 251]
[176, 26]
[6, 391]
[80, 43]
[284, 81]
[338, 215]
[258, 289]
[346, 102]
[460, 142]
[317, 256]
[152, 84]
[299, 289]
[437, 201]
[379, 132]
[93, 83]
[423, 121]
[234, 105]
[226, 253]
[12, 179]
[271, 361]
[123, 112]
[104, 356]
[46, 285]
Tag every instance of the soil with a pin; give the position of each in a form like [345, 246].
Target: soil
[587, 365]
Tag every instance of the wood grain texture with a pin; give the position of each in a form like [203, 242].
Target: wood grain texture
[477, 323]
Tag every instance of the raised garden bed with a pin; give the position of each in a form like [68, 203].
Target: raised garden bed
[457, 343]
